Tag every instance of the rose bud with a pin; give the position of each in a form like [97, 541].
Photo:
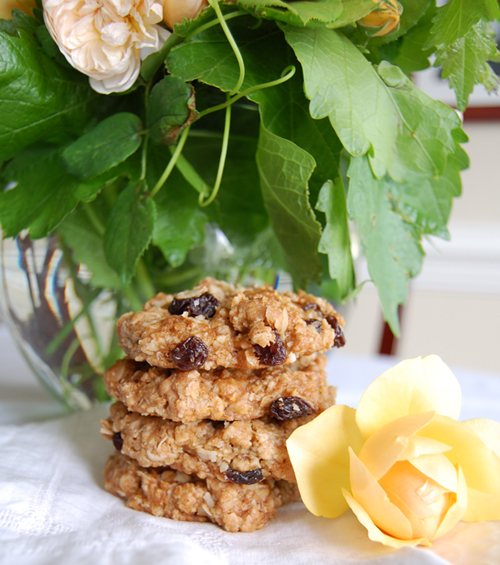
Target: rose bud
[6, 7]
[384, 19]
[174, 11]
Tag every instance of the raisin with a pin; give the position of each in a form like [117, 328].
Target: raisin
[315, 323]
[273, 354]
[289, 407]
[339, 340]
[311, 306]
[216, 424]
[244, 477]
[190, 354]
[204, 305]
[118, 441]
[161, 470]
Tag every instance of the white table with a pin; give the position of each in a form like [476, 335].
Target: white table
[54, 510]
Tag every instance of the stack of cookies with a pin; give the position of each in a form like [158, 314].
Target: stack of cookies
[215, 381]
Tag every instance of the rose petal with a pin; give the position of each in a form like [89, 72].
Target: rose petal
[412, 386]
[457, 510]
[374, 533]
[480, 465]
[482, 506]
[438, 468]
[419, 446]
[320, 458]
[488, 431]
[372, 497]
[386, 445]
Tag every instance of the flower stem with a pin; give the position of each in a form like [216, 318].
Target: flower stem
[285, 75]
[222, 160]
[94, 220]
[144, 280]
[171, 164]
[232, 42]
[213, 23]
[144, 156]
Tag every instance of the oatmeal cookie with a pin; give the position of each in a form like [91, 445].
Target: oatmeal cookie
[222, 394]
[172, 494]
[220, 325]
[243, 452]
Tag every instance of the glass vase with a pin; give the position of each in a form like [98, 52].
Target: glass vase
[63, 327]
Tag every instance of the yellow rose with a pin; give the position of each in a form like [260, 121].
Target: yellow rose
[384, 19]
[402, 462]
[6, 7]
[174, 11]
[106, 39]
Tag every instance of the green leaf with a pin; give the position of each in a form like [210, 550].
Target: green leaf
[335, 241]
[39, 98]
[298, 13]
[382, 114]
[353, 10]
[284, 171]
[87, 247]
[129, 230]
[19, 21]
[180, 223]
[239, 208]
[426, 201]
[284, 108]
[44, 194]
[171, 109]
[465, 62]
[391, 244]
[456, 18]
[108, 144]
[285, 112]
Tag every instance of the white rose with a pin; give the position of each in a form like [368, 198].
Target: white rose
[106, 39]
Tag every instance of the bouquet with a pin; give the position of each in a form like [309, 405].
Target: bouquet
[166, 140]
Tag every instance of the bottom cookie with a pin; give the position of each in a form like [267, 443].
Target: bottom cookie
[172, 494]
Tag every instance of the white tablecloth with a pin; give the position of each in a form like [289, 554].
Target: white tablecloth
[54, 510]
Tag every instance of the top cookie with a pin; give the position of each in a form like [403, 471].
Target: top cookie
[221, 325]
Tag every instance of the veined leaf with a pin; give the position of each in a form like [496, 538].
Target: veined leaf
[352, 11]
[456, 18]
[129, 230]
[180, 222]
[87, 247]
[285, 170]
[391, 245]
[108, 144]
[465, 62]
[335, 241]
[45, 193]
[300, 13]
[284, 108]
[381, 114]
[40, 99]
[171, 108]
[426, 201]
